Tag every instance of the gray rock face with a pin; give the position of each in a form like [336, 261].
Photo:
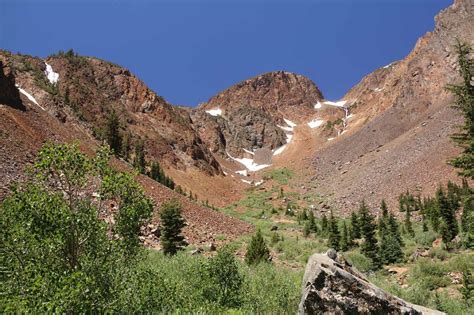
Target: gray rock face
[333, 286]
[238, 128]
[9, 94]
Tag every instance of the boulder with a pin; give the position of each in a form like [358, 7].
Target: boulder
[331, 285]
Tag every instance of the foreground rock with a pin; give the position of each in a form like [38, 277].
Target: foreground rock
[332, 286]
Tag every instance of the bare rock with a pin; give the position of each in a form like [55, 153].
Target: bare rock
[332, 286]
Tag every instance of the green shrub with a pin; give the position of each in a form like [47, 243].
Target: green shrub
[360, 261]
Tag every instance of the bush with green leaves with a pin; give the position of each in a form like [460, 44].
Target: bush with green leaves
[57, 254]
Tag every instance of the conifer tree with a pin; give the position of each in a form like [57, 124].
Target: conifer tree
[383, 219]
[172, 224]
[369, 246]
[390, 249]
[464, 102]
[114, 138]
[324, 224]
[257, 250]
[467, 222]
[155, 172]
[355, 227]
[449, 225]
[334, 236]
[345, 241]
[312, 223]
[408, 226]
[139, 161]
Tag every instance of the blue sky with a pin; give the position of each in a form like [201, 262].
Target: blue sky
[188, 51]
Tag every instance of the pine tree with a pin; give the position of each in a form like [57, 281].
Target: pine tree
[139, 161]
[390, 249]
[155, 171]
[344, 243]
[383, 219]
[408, 226]
[464, 102]
[257, 250]
[324, 225]
[369, 246]
[306, 229]
[355, 227]
[114, 138]
[172, 224]
[449, 225]
[334, 236]
[312, 223]
[467, 222]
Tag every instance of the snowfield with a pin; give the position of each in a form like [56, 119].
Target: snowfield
[52, 76]
[249, 163]
[214, 112]
[279, 150]
[337, 104]
[315, 123]
[29, 96]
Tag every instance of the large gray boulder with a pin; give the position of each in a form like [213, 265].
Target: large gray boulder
[332, 286]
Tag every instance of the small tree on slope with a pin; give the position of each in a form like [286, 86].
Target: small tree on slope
[172, 224]
[369, 246]
[257, 250]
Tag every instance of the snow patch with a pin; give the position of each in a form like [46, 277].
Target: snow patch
[243, 173]
[285, 128]
[246, 181]
[225, 173]
[279, 150]
[318, 105]
[52, 76]
[248, 151]
[29, 96]
[315, 123]
[214, 112]
[249, 163]
[337, 104]
[330, 139]
[378, 90]
[289, 123]
[388, 66]
[288, 138]
[259, 183]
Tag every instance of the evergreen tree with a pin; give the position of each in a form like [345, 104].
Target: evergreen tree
[172, 224]
[126, 146]
[140, 162]
[464, 102]
[334, 236]
[312, 223]
[369, 246]
[449, 225]
[355, 227]
[306, 229]
[113, 136]
[467, 222]
[345, 241]
[155, 172]
[408, 226]
[390, 249]
[324, 225]
[257, 250]
[383, 219]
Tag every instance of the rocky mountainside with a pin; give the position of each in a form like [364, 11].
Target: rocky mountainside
[398, 135]
[249, 115]
[389, 133]
[33, 111]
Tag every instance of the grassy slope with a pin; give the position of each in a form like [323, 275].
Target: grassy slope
[427, 281]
